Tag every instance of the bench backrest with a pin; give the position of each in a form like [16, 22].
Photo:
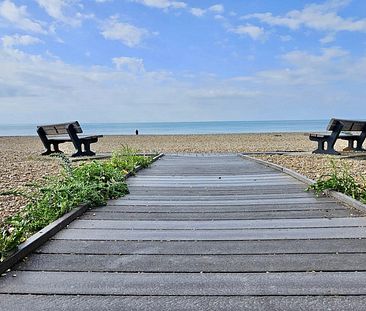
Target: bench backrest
[60, 129]
[347, 125]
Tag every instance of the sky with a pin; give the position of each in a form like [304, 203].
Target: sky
[181, 60]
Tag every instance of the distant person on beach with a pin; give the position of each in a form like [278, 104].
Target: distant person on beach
[137, 132]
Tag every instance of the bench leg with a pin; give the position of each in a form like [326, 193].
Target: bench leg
[87, 149]
[86, 153]
[350, 146]
[359, 145]
[49, 151]
[321, 148]
[56, 148]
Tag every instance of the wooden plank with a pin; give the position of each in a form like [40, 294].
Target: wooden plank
[185, 284]
[205, 247]
[160, 197]
[95, 214]
[176, 208]
[122, 202]
[179, 303]
[215, 184]
[222, 235]
[188, 191]
[195, 263]
[218, 178]
[220, 224]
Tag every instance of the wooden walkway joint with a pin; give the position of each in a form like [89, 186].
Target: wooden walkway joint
[201, 232]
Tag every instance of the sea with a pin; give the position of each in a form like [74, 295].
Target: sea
[168, 128]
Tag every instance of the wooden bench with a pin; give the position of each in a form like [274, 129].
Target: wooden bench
[339, 129]
[56, 134]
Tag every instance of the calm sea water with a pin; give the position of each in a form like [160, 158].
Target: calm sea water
[164, 128]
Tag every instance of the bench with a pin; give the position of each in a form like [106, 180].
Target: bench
[56, 134]
[339, 129]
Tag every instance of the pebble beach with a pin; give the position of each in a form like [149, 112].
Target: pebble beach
[22, 165]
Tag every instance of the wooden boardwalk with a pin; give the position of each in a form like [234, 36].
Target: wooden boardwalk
[201, 232]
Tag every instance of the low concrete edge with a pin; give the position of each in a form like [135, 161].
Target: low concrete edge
[345, 199]
[42, 236]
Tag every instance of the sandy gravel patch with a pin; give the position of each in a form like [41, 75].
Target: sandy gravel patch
[316, 166]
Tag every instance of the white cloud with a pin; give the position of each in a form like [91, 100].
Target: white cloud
[217, 8]
[130, 64]
[329, 38]
[223, 93]
[57, 10]
[255, 32]
[128, 34]
[197, 12]
[285, 38]
[47, 90]
[310, 70]
[300, 58]
[219, 17]
[19, 17]
[163, 4]
[15, 40]
[322, 17]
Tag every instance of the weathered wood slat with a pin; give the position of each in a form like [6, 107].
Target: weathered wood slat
[179, 303]
[186, 284]
[214, 184]
[95, 214]
[332, 246]
[161, 197]
[217, 235]
[122, 202]
[220, 224]
[152, 208]
[195, 263]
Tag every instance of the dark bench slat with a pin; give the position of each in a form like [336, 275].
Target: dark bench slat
[326, 141]
[348, 125]
[341, 136]
[54, 134]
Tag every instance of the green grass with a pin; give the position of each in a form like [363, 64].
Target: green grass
[91, 184]
[340, 179]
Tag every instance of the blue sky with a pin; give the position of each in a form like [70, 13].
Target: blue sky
[165, 60]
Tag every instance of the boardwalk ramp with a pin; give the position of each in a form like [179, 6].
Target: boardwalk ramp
[201, 232]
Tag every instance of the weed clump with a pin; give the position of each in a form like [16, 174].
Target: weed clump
[340, 179]
[91, 184]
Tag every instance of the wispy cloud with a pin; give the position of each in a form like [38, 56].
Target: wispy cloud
[128, 34]
[163, 4]
[129, 64]
[16, 40]
[197, 12]
[254, 32]
[322, 17]
[64, 11]
[19, 17]
[216, 8]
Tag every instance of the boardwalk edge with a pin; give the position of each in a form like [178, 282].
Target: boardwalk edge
[345, 199]
[42, 236]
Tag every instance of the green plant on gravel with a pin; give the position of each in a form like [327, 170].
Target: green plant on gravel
[340, 179]
[91, 184]
[127, 158]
